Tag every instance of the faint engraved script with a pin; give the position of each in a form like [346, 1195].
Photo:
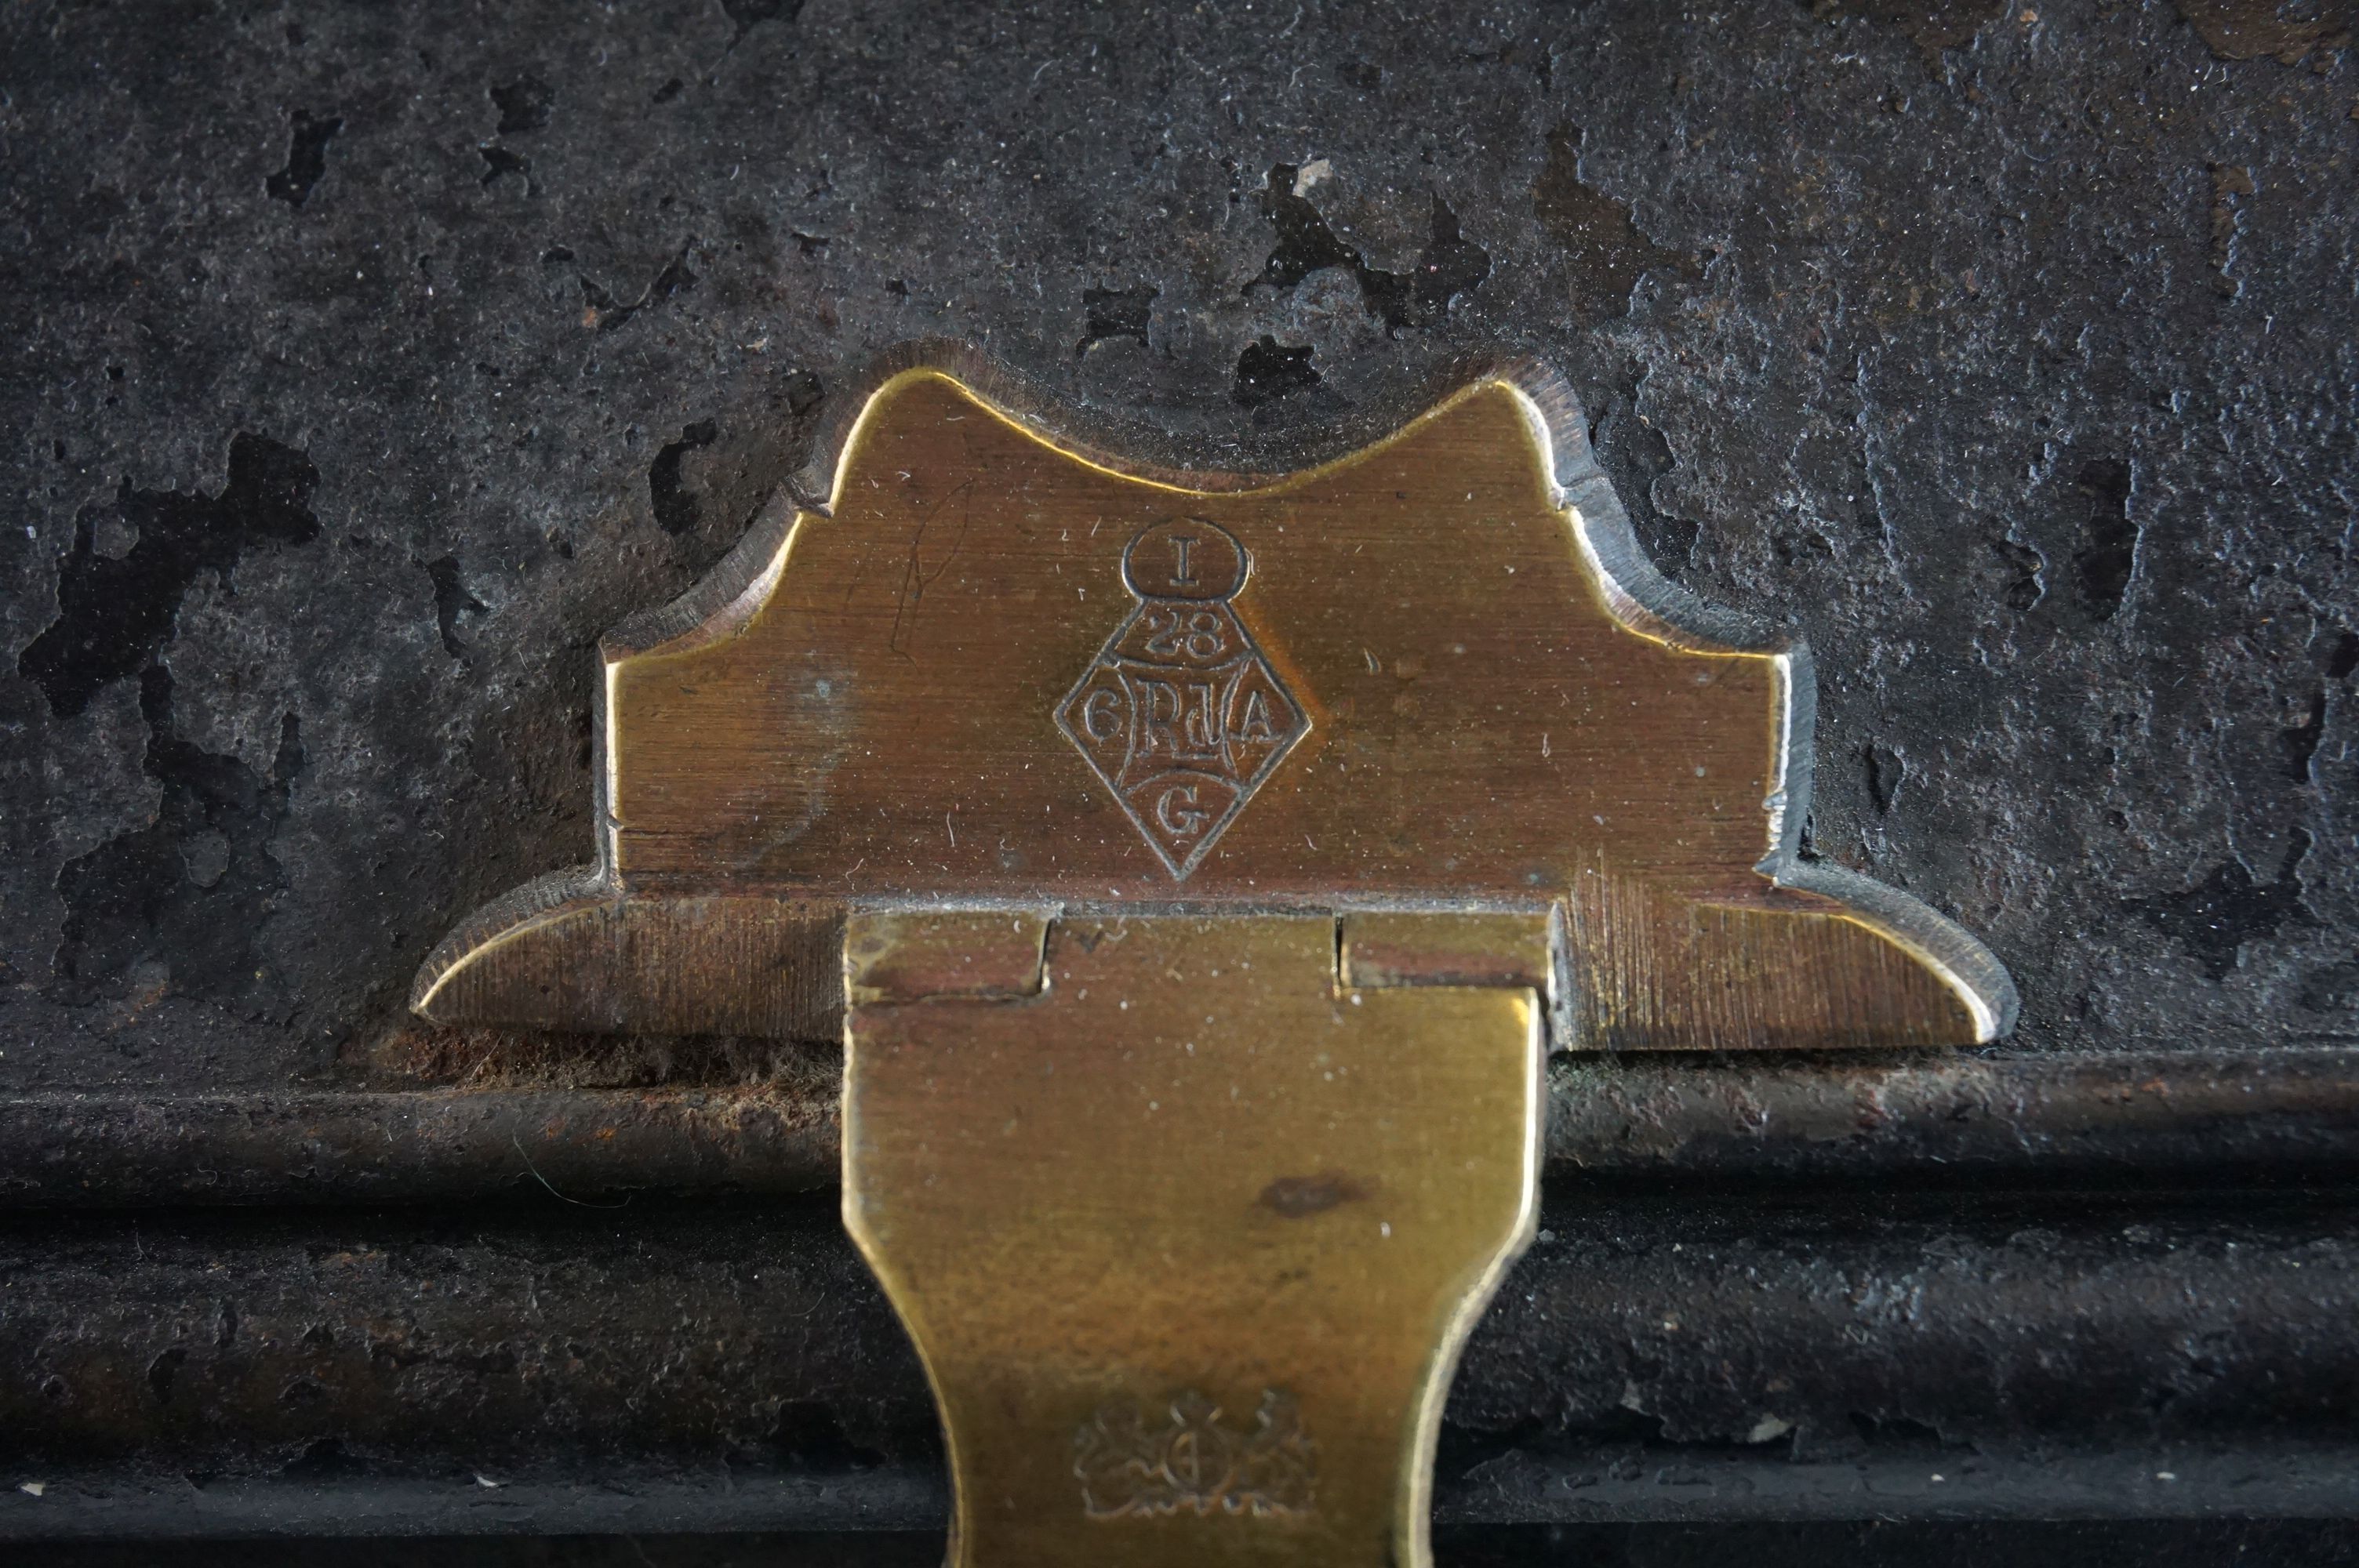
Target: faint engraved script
[1195, 1460]
[1180, 715]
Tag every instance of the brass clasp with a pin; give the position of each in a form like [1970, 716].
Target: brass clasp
[1196, 867]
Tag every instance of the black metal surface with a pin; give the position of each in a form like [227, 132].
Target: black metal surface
[366, 361]
[2265, 1118]
[658, 1365]
[361, 364]
[2176, 1544]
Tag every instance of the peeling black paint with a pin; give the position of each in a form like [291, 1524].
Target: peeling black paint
[524, 105]
[1932, 25]
[2027, 574]
[2302, 739]
[2107, 558]
[112, 614]
[2271, 29]
[177, 907]
[1448, 266]
[2218, 916]
[1269, 370]
[745, 15]
[498, 160]
[675, 505]
[801, 391]
[306, 157]
[2231, 191]
[607, 314]
[1887, 770]
[1635, 452]
[1604, 253]
[455, 606]
[2340, 653]
[1116, 313]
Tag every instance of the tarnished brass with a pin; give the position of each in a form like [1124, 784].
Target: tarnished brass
[1195, 866]
[1189, 1236]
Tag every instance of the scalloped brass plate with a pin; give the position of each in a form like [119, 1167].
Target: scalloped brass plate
[1194, 866]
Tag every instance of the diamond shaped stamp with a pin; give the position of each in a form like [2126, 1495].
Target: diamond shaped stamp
[1180, 715]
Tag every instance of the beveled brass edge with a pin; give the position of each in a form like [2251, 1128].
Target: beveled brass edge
[1934, 940]
[712, 606]
[515, 915]
[1105, 440]
[1654, 606]
[852, 1206]
[1635, 593]
[1413, 1541]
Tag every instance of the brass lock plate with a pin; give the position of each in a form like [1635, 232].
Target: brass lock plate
[1105, 812]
